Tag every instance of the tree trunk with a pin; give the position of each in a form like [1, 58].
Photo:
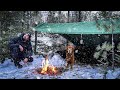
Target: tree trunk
[68, 16]
[0, 29]
[5, 21]
[49, 18]
[22, 23]
[59, 16]
[80, 16]
[28, 20]
[76, 16]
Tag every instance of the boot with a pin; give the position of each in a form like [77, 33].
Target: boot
[16, 62]
[19, 65]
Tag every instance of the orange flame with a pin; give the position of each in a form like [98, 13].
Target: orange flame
[46, 68]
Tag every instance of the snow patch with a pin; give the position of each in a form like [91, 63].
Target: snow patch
[45, 40]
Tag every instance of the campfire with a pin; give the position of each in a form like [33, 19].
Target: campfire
[49, 69]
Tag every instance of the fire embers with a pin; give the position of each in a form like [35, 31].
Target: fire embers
[51, 70]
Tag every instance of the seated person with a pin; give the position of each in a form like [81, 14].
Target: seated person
[21, 49]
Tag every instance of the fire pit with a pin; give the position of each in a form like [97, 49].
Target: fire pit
[49, 69]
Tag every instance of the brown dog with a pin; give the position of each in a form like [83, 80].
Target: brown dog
[70, 55]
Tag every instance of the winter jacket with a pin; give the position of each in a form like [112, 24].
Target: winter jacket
[15, 42]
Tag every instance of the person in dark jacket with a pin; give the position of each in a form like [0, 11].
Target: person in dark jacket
[21, 49]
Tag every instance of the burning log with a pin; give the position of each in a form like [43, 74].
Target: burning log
[49, 69]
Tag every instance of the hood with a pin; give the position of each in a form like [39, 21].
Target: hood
[21, 36]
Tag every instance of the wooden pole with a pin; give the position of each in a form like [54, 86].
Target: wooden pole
[35, 42]
[112, 51]
[112, 46]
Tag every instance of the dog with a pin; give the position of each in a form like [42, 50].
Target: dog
[70, 58]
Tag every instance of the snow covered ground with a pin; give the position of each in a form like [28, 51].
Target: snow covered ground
[9, 71]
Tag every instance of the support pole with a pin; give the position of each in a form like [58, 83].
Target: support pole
[112, 50]
[113, 63]
[35, 42]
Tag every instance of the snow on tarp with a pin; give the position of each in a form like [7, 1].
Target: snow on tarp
[9, 71]
[86, 27]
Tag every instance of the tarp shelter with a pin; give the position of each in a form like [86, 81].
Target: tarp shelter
[73, 31]
[110, 26]
[86, 27]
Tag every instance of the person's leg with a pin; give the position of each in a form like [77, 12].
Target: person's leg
[15, 55]
[17, 63]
